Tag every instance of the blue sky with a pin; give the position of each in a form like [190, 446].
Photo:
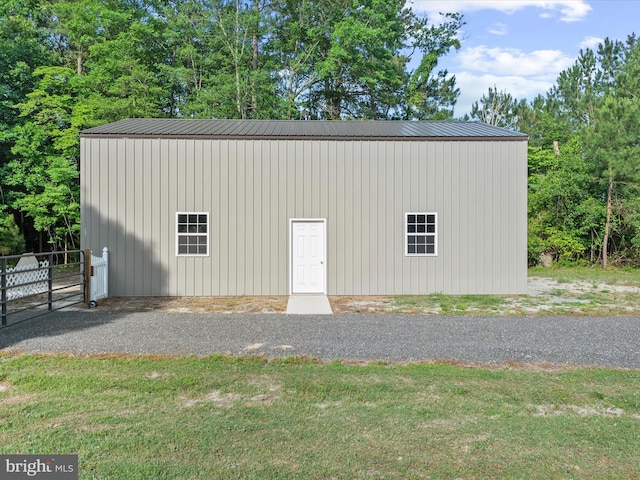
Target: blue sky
[521, 46]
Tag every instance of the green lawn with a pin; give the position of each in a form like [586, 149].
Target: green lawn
[578, 291]
[593, 274]
[225, 417]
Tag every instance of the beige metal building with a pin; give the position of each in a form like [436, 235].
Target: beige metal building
[263, 207]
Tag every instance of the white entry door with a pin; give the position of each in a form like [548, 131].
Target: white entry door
[308, 270]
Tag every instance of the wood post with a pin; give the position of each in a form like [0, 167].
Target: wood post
[87, 276]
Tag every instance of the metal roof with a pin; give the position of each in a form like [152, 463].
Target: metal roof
[302, 129]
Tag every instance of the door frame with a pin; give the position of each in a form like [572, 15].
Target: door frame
[322, 221]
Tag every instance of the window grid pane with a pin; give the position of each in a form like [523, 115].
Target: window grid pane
[421, 233]
[192, 229]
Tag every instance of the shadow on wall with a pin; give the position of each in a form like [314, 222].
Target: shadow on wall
[134, 265]
[144, 267]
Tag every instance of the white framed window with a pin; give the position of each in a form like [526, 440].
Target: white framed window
[421, 234]
[192, 233]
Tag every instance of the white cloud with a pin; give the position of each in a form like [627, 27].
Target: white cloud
[472, 86]
[591, 42]
[522, 74]
[498, 29]
[512, 61]
[569, 10]
[574, 11]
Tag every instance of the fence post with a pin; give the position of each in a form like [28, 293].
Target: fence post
[87, 276]
[50, 282]
[3, 291]
[105, 275]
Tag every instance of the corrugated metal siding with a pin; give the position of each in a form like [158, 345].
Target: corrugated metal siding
[132, 189]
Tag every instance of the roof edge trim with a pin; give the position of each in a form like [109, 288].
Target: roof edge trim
[342, 138]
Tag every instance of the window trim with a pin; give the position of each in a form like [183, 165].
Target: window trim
[425, 234]
[206, 235]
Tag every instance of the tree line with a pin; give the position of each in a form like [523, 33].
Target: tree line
[584, 156]
[67, 65]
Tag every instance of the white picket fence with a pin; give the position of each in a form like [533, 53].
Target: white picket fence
[99, 277]
[29, 279]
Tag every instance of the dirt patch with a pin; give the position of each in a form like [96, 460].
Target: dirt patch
[367, 304]
[589, 410]
[544, 296]
[229, 400]
[196, 304]
[547, 286]
[240, 304]
[16, 399]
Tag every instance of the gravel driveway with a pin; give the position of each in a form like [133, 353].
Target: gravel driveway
[564, 341]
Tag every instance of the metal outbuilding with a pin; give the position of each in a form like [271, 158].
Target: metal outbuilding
[264, 207]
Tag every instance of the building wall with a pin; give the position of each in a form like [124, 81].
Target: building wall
[132, 189]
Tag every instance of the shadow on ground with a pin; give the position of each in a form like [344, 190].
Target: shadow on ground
[79, 317]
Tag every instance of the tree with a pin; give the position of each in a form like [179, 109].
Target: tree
[295, 46]
[613, 144]
[216, 63]
[581, 85]
[99, 72]
[628, 78]
[610, 139]
[542, 121]
[67, 65]
[118, 82]
[563, 218]
[497, 108]
[22, 47]
[76, 25]
[356, 63]
[240, 27]
[11, 240]
[44, 170]
[23, 43]
[431, 94]
[583, 192]
[347, 59]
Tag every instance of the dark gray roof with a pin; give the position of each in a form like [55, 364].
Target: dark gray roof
[298, 129]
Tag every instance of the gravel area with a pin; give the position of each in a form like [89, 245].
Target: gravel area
[546, 341]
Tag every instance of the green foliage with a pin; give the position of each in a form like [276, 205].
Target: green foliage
[497, 108]
[558, 207]
[584, 158]
[11, 240]
[44, 170]
[612, 144]
[347, 60]
[72, 64]
[360, 67]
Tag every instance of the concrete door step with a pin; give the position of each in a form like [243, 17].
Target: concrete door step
[308, 305]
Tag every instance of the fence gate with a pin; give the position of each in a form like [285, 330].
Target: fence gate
[99, 270]
[34, 284]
